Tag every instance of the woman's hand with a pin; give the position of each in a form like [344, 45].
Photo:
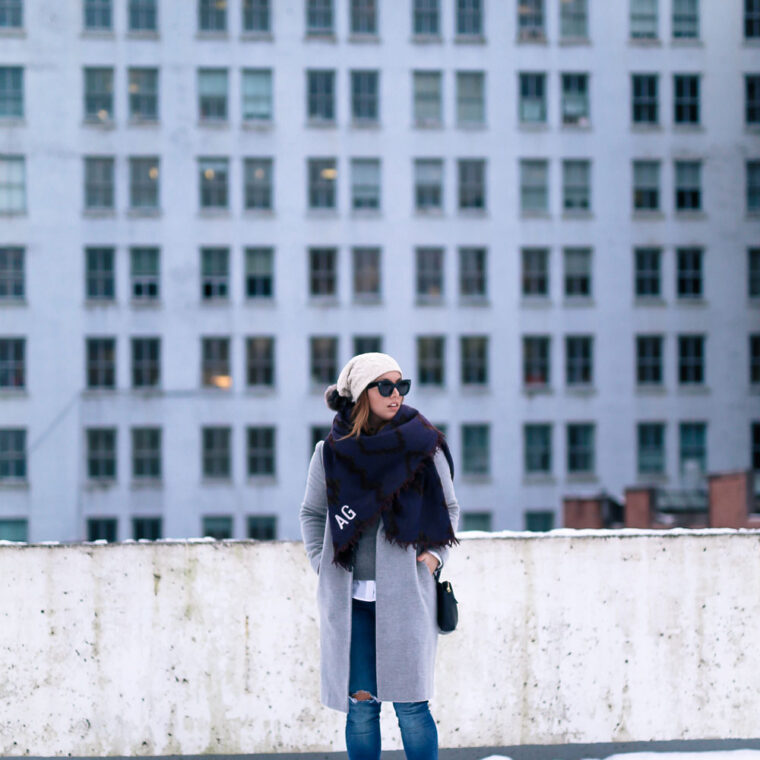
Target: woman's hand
[429, 560]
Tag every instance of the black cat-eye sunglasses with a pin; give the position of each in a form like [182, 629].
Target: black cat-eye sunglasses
[385, 387]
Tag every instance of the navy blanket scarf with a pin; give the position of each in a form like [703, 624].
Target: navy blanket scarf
[391, 472]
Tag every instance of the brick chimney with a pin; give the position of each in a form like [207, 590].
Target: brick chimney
[639, 507]
[731, 498]
[581, 512]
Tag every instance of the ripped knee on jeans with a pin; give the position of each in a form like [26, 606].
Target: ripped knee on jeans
[362, 696]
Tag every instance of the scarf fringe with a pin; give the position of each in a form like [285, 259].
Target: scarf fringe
[387, 505]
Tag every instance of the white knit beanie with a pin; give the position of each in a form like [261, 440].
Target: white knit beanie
[358, 372]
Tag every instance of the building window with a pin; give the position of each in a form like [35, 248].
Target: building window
[260, 454]
[651, 448]
[13, 530]
[533, 98]
[12, 185]
[536, 361]
[323, 351]
[323, 272]
[469, 17]
[101, 529]
[146, 362]
[217, 527]
[97, 15]
[98, 95]
[579, 360]
[367, 274]
[12, 278]
[365, 89]
[215, 363]
[143, 15]
[212, 16]
[319, 17]
[686, 19]
[753, 272]
[689, 277]
[256, 16]
[539, 520]
[576, 185]
[427, 98]
[577, 272]
[472, 184]
[755, 444]
[575, 100]
[257, 95]
[213, 177]
[688, 186]
[648, 272]
[216, 457]
[530, 20]
[98, 183]
[258, 183]
[644, 98]
[143, 183]
[693, 446]
[11, 92]
[146, 453]
[754, 359]
[363, 17]
[428, 184]
[212, 95]
[476, 521]
[12, 454]
[431, 354]
[11, 14]
[215, 273]
[534, 186]
[101, 362]
[473, 274]
[751, 19]
[573, 21]
[537, 439]
[471, 98]
[144, 273]
[751, 99]
[580, 448]
[322, 180]
[476, 449]
[262, 527]
[691, 359]
[12, 363]
[686, 98]
[364, 344]
[143, 94]
[259, 272]
[259, 361]
[146, 528]
[426, 17]
[430, 273]
[649, 360]
[365, 184]
[474, 354]
[319, 433]
[100, 276]
[643, 19]
[535, 271]
[320, 89]
[646, 185]
[753, 186]
[101, 453]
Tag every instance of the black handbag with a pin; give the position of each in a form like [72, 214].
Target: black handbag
[448, 614]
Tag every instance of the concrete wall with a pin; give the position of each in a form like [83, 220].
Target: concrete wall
[212, 647]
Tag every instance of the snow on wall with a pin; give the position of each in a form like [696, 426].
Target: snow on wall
[178, 647]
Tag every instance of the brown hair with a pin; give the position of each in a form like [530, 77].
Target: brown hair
[360, 418]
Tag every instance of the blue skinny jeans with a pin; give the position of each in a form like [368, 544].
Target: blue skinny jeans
[418, 732]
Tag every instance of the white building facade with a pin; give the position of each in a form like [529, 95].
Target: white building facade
[548, 212]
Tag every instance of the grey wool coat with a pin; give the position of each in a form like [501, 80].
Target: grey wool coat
[405, 605]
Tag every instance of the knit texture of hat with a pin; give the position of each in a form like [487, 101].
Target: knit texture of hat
[358, 372]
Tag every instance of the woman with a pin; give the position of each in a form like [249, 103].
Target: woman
[378, 516]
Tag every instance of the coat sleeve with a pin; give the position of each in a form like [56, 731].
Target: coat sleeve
[444, 473]
[313, 512]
